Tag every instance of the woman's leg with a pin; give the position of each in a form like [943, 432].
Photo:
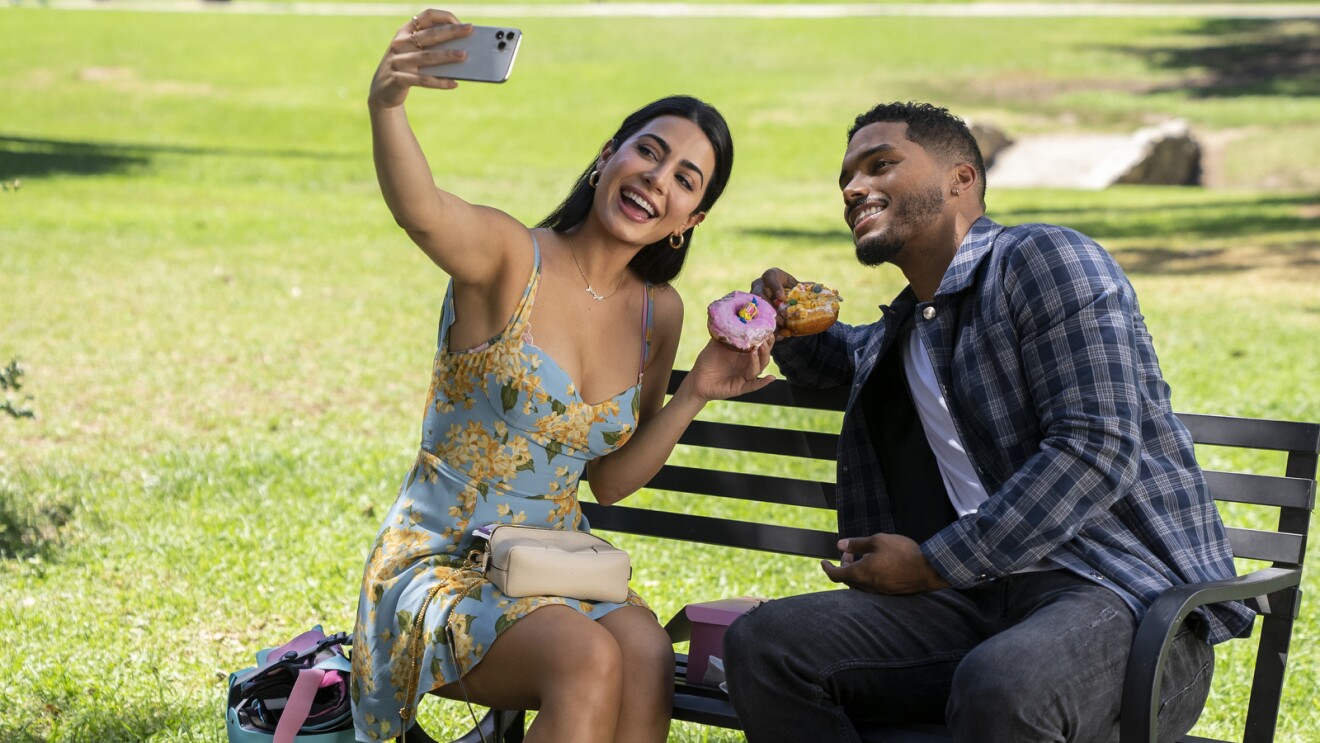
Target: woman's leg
[558, 662]
[648, 675]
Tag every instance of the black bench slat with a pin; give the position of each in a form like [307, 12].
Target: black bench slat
[1252, 433]
[742, 438]
[744, 486]
[1265, 490]
[1272, 546]
[788, 540]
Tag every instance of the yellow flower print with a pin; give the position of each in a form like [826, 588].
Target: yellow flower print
[571, 429]
[504, 511]
[484, 457]
[466, 651]
[516, 609]
[567, 510]
[394, 550]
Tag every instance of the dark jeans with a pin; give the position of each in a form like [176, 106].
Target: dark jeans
[1029, 657]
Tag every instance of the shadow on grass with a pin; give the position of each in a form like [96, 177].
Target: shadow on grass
[24, 157]
[37, 158]
[1166, 262]
[1279, 214]
[28, 528]
[1149, 231]
[822, 237]
[1245, 57]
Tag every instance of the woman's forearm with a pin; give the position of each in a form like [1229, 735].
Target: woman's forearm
[622, 473]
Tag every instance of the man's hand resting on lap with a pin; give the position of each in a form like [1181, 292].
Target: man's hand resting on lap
[884, 563]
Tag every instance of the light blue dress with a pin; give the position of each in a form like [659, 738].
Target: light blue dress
[505, 439]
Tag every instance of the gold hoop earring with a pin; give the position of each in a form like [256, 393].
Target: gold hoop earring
[676, 240]
[594, 178]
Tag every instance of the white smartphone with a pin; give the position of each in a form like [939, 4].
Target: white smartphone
[491, 51]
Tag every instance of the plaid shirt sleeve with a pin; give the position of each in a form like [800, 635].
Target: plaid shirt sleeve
[1073, 315]
[821, 360]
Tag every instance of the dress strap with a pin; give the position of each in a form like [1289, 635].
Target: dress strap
[648, 297]
[524, 311]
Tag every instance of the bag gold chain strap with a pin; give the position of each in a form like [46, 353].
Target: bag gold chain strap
[415, 653]
[415, 672]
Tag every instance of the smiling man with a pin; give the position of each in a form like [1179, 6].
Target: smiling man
[1013, 486]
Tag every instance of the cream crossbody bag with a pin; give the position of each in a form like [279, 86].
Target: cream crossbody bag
[532, 561]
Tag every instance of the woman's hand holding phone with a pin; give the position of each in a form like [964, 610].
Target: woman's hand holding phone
[412, 49]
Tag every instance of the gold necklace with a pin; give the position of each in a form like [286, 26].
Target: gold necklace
[594, 294]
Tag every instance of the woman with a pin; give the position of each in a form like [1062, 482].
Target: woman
[537, 323]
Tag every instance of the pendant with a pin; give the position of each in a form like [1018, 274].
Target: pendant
[594, 295]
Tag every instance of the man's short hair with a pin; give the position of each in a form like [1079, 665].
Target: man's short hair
[938, 132]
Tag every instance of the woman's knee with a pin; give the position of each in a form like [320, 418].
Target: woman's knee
[645, 648]
[566, 646]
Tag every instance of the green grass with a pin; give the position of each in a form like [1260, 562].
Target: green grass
[226, 338]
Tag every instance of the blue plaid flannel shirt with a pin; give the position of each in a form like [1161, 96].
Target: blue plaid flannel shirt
[1052, 381]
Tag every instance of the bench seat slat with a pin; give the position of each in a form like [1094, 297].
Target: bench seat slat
[1271, 546]
[1264, 490]
[789, 540]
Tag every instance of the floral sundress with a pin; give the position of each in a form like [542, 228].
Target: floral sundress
[505, 439]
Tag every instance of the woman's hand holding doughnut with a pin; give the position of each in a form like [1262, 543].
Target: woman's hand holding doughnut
[409, 51]
[720, 373]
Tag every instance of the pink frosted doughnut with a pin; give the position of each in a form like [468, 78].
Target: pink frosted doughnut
[741, 321]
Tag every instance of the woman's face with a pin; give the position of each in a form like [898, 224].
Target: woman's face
[651, 184]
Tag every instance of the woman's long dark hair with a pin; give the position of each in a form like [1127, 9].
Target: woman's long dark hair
[657, 263]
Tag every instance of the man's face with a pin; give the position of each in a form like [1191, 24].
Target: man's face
[893, 191]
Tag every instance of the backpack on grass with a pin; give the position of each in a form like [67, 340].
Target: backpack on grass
[296, 692]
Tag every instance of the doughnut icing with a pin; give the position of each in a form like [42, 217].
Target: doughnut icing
[810, 308]
[740, 321]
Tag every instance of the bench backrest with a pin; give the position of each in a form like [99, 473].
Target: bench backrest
[1291, 492]
[737, 440]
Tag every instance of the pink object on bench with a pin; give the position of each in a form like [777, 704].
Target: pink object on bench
[709, 621]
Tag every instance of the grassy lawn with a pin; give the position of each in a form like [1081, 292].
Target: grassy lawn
[227, 340]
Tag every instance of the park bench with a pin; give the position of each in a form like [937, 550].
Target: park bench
[1273, 589]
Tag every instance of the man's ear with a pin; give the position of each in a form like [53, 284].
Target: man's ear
[964, 177]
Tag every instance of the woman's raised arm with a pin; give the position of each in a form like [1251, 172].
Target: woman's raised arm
[469, 242]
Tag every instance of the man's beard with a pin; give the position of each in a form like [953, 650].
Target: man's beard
[911, 215]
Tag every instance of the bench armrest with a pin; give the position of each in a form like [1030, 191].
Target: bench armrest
[1150, 646]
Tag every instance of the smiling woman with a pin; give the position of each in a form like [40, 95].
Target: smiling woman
[512, 422]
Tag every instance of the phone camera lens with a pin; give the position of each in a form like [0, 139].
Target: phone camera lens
[499, 35]
[501, 45]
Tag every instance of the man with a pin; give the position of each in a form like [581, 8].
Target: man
[1013, 488]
